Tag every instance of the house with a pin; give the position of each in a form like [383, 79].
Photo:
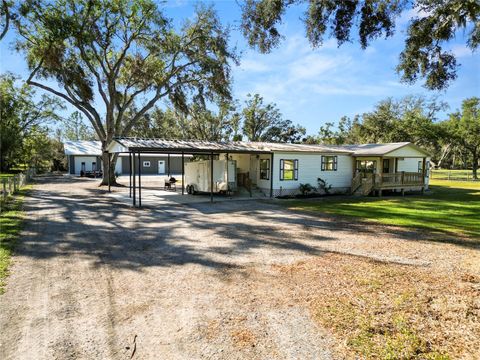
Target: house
[279, 169]
[86, 156]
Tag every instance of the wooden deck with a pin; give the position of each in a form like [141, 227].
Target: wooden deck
[366, 183]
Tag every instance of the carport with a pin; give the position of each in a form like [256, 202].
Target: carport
[135, 147]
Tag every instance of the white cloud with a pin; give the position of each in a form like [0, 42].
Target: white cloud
[461, 51]
[252, 65]
[315, 65]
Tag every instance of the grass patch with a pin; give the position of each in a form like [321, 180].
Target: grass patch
[4, 175]
[11, 219]
[458, 175]
[388, 311]
[452, 207]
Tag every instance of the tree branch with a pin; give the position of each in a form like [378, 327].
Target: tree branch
[7, 19]
[68, 99]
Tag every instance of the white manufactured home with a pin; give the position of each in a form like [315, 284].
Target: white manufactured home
[277, 169]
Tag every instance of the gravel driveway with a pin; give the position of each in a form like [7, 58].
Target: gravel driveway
[95, 279]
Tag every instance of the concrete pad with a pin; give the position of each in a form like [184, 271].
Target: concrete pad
[152, 197]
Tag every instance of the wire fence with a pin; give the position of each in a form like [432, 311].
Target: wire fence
[12, 184]
[453, 175]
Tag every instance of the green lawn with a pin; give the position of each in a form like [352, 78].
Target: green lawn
[11, 218]
[2, 175]
[451, 207]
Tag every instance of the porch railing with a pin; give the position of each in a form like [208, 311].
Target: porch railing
[399, 179]
[367, 185]
[356, 182]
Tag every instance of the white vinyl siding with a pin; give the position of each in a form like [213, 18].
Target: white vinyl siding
[406, 151]
[409, 164]
[309, 170]
[88, 160]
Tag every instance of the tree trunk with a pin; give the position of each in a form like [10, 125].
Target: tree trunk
[106, 172]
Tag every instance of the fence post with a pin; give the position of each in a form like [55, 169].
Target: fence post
[4, 186]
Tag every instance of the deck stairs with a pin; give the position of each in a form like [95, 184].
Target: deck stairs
[256, 192]
[362, 186]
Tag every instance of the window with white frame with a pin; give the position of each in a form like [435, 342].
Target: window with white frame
[146, 164]
[288, 169]
[329, 163]
[420, 166]
[265, 169]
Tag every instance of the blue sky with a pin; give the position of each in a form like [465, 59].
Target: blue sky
[315, 86]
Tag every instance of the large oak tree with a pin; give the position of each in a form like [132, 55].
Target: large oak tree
[115, 59]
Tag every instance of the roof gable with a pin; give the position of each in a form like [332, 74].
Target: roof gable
[382, 149]
[83, 147]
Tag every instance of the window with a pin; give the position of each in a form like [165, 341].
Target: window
[420, 166]
[94, 166]
[367, 166]
[329, 163]
[386, 166]
[146, 164]
[83, 167]
[265, 169]
[288, 169]
[427, 172]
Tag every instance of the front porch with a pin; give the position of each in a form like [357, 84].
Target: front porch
[364, 184]
[379, 173]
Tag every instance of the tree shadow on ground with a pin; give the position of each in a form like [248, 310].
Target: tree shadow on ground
[68, 217]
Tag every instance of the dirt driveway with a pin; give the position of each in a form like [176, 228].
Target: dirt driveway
[95, 279]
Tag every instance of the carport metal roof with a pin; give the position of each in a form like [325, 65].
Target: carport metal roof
[119, 145]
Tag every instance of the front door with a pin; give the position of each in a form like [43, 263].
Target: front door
[386, 166]
[161, 166]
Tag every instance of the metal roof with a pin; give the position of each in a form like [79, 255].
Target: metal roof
[93, 148]
[138, 144]
[378, 149]
[83, 148]
[125, 144]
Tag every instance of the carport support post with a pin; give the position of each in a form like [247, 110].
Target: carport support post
[211, 177]
[168, 166]
[108, 154]
[139, 181]
[130, 174]
[133, 177]
[183, 173]
[271, 175]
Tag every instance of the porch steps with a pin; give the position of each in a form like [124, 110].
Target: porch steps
[256, 192]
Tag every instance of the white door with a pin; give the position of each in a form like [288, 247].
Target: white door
[161, 166]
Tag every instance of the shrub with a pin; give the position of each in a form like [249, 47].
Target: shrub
[305, 188]
[323, 186]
